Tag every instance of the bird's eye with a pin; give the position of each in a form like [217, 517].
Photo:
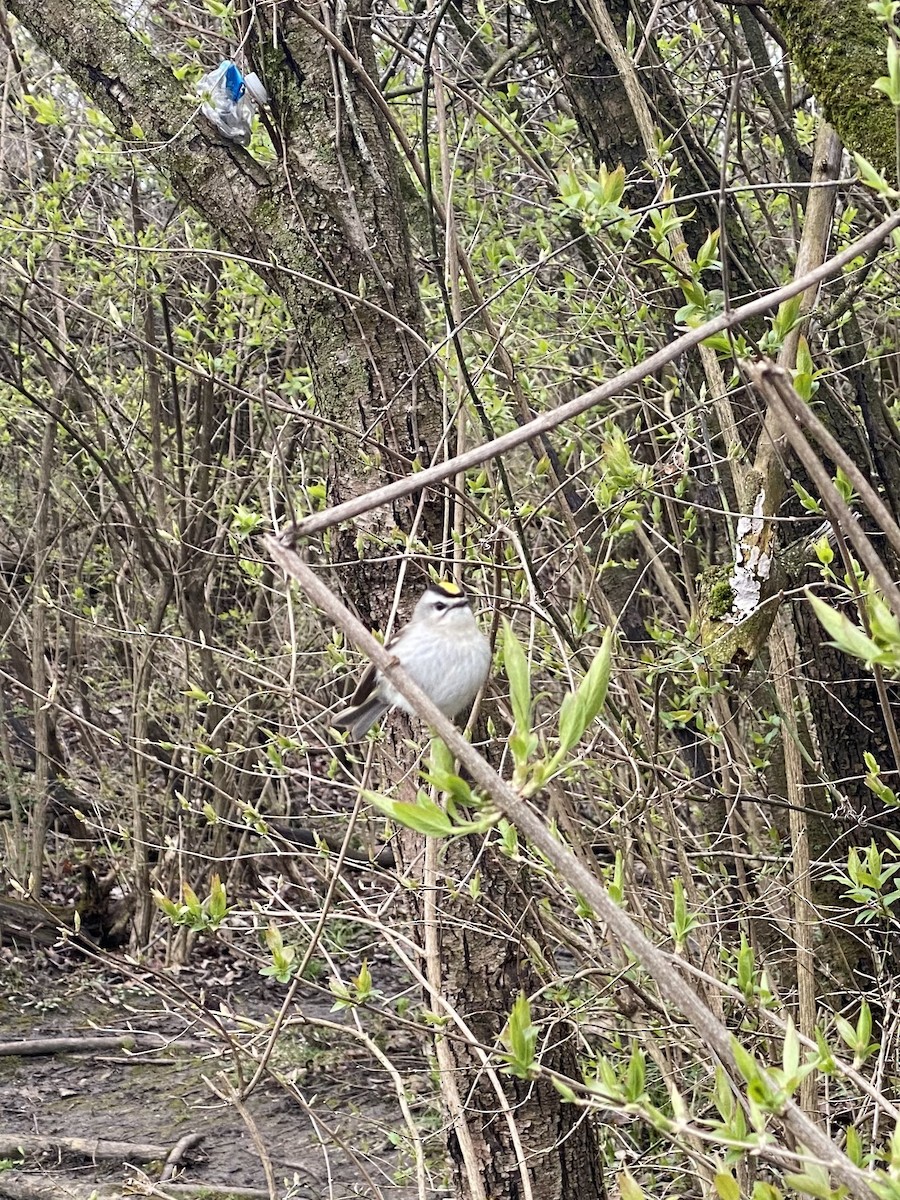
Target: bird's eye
[440, 606]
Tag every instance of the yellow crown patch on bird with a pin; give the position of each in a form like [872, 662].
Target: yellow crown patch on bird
[448, 587]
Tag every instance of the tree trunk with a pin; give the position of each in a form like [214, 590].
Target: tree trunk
[603, 110]
[485, 964]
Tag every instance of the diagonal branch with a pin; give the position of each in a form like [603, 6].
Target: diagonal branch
[774, 384]
[605, 391]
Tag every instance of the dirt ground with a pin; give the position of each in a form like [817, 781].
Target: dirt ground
[337, 1134]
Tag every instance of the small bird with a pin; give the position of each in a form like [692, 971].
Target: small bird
[441, 648]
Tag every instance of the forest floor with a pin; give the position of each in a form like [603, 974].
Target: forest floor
[336, 1136]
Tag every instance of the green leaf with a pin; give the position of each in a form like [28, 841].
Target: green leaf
[824, 552]
[564, 1090]
[890, 83]
[635, 1076]
[191, 899]
[718, 342]
[424, 816]
[746, 1063]
[616, 886]
[520, 1039]
[844, 634]
[804, 374]
[810, 503]
[595, 684]
[629, 1188]
[843, 485]
[282, 965]
[706, 255]
[727, 1186]
[169, 907]
[814, 1181]
[343, 994]
[442, 759]
[509, 838]
[273, 939]
[441, 773]
[571, 723]
[516, 665]
[787, 316]
[854, 1147]
[873, 178]
[825, 1061]
[580, 708]
[218, 904]
[864, 1024]
[765, 1191]
[682, 921]
[363, 982]
[522, 746]
[612, 185]
[746, 969]
[724, 1096]
[884, 625]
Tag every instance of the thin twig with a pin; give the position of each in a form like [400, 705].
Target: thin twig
[803, 906]
[225, 1090]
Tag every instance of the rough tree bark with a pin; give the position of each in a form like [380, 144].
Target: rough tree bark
[840, 48]
[483, 948]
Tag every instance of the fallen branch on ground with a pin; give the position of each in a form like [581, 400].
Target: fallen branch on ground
[82, 1045]
[177, 1153]
[13, 1144]
[19, 1185]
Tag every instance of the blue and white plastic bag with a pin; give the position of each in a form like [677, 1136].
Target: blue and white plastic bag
[229, 100]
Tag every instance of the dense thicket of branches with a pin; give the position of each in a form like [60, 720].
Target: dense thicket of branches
[452, 220]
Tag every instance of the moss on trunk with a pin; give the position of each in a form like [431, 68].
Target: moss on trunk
[840, 48]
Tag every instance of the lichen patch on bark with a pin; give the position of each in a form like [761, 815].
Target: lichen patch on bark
[752, 561]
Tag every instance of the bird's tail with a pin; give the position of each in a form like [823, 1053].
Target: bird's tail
[360, 718]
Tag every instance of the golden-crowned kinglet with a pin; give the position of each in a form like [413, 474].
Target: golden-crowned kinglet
[441, 648]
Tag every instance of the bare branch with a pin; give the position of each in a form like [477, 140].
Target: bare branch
[774, 385]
